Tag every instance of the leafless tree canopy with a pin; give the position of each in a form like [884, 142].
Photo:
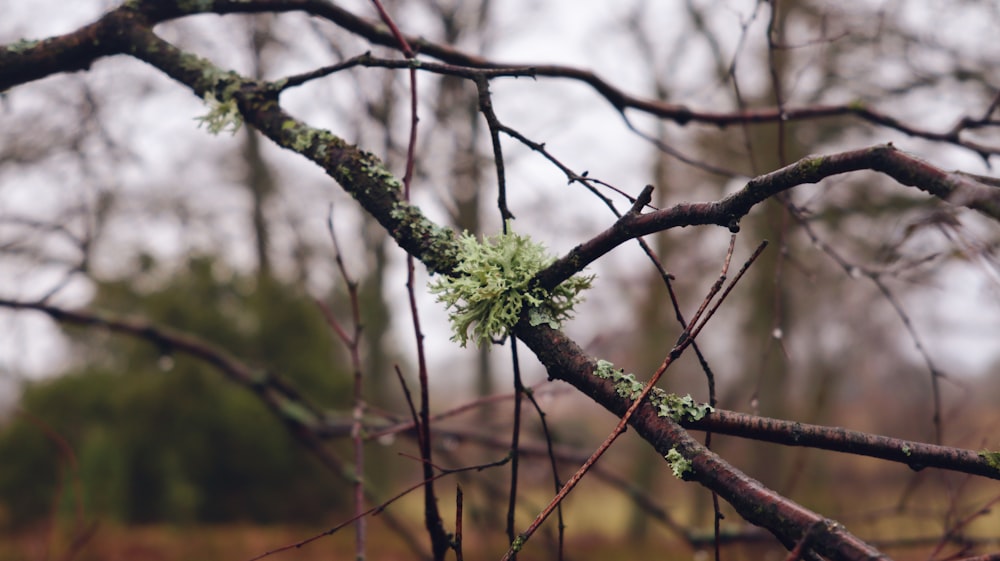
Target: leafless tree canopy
[785, 209]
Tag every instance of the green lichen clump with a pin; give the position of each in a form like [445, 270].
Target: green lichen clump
[677, 407]
[678, 463]
[22, 46]
[222, 115]
[493, 285]
[626, 385]
[992, 458]
[306, 139]
[373, 168]
[219, 90]
[671, 405]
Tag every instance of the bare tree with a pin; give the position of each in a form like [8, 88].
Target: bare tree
[820, 319]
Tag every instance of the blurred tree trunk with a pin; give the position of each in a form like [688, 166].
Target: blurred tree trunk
[656, 323]
[469, 178]
[259, 180]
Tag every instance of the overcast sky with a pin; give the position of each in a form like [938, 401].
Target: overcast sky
[162, 148]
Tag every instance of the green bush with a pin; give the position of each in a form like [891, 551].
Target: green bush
[180, 444]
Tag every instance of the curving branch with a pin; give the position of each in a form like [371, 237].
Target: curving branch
[303, 419]
[915, 455]
[955, 188]
[30, 60]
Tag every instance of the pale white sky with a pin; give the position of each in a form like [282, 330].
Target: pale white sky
[958, 316]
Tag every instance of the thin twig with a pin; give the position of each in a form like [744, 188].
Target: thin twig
[417, 423]
[554, 466]
[377, 509]
[375, 433]
[432, 517]
[853, 270]
[33, 63]
[457, 545]
[515, 438]
[352, 342]
[486, 107]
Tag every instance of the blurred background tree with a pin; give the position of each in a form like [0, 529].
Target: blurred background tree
[161, 437]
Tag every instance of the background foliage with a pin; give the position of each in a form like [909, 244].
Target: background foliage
[159, 437]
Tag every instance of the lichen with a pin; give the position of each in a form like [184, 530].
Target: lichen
[628, 386]
[219, 92]
[224, 84]
[809, 166]
[22, 45]
[344, 175]
[667, 404]
[194, 63]
[306, 140]
[678, 408]
[856, 105]
[605, 369]
[992, 458]
[193, 6]
[222, 115]
[679, 465]
[373, 168]
[494, 284]
[303, 139]
[441, 251]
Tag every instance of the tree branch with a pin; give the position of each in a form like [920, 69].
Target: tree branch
[565, 360]
[30, 60]
[954, 188]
